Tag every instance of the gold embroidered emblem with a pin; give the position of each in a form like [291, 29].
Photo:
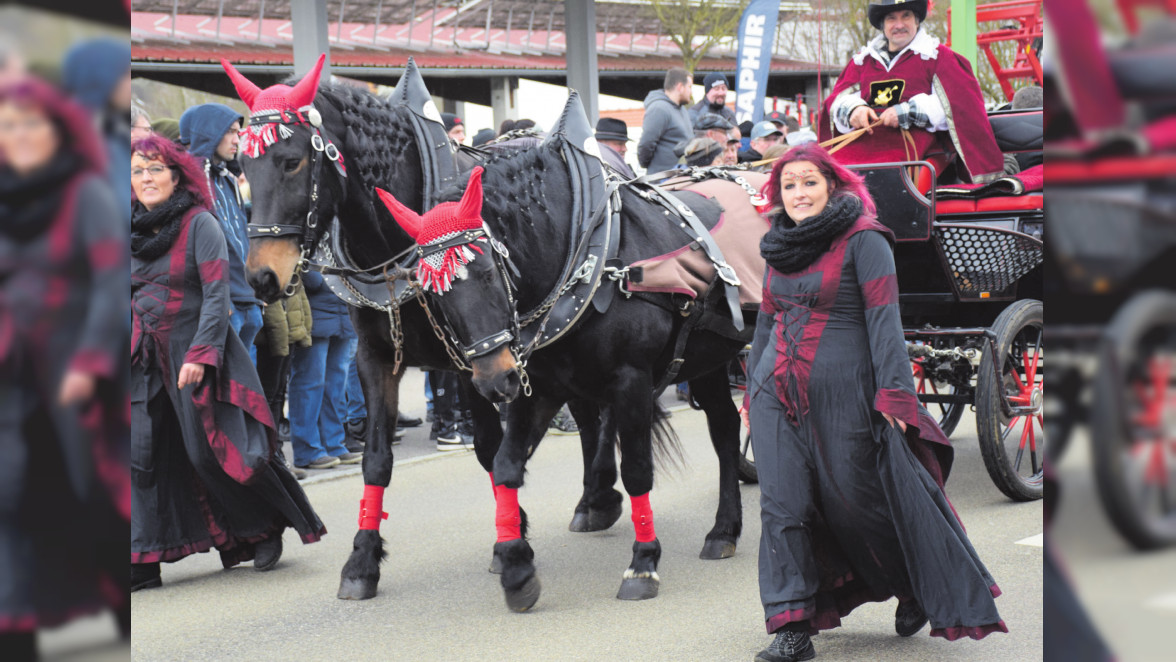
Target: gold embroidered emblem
[886, 93]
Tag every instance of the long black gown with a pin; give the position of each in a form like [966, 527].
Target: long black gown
[203, 460]
[852, 511]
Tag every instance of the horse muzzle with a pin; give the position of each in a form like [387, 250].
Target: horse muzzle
[496, 376]
[264, 282]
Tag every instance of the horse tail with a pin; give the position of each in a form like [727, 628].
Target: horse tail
[667, 448]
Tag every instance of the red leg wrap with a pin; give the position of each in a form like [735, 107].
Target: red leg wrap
[371, 508]
[506, 517]
[642, 518]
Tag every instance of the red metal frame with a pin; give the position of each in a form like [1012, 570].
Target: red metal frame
[1028, 15]
[1129, 8]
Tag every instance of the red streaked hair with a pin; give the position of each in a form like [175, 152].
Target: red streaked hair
[74, 128]
[844, 180]
[188, 170]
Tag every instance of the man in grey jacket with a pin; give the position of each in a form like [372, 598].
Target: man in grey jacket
[667, 122]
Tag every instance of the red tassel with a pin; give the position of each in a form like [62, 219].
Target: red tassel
[642, 518]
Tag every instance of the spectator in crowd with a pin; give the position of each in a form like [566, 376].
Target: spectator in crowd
[169, 128]
[318, 381]
[702, 152]
[667, 122]
[506, 127]
[65, 504]
[904, 78]
[715, 127]
[612, 134]
[454, 127]
[772, 153]
[482, 137]
[210, 131]
[714, 101]
[204, 471]
[97, 73]
[140, 123]
[731, 152]
[12, 63]
[452, 426]
[285, 324]
[763, 135]
[778, 118]
[745, 134]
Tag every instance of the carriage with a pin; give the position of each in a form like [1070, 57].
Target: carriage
[970, 282]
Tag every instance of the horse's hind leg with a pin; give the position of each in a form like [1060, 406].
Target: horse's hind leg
[634, 415]
[381, 390]
[600, 505]
[526, 423]
[713, 394]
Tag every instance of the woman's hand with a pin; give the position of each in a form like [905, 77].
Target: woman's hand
[891, 420]
[190, 373]
[76, 387]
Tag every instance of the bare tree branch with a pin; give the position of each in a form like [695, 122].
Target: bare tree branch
[696, 26]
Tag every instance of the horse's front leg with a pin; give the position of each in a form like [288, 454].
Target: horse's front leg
[633, 408]
[713, 394]
[381, 390]
[600, 505]
[526, 423]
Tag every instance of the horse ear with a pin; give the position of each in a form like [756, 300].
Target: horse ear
[406, 218]
[245, 88]
[471, 200]
[303, 93]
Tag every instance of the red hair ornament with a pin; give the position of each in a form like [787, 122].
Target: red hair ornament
[440, 265]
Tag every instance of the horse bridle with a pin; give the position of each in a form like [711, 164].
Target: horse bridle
[320, 147]
[467, 352]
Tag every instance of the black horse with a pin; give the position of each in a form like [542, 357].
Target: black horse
[312, 167]
[612, 358]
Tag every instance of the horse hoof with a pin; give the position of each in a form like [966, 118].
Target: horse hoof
[356, 589]
[524, 597]
[594, 520]
[579, 523]
[496, 565]
[638, 588]
[717, 549]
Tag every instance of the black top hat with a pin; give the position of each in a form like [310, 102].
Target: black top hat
[611, 128]
[879, 10]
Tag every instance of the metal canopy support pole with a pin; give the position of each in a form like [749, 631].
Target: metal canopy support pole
[580, 37]
[433, 24]
[503, 92]
[309, 18]
[260, 19]
[963, 29]
[489, 15]
[376, 30]
[339, 30]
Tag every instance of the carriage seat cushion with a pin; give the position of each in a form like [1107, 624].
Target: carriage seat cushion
[1145, 72]
[1018, 130]
[1005, 203]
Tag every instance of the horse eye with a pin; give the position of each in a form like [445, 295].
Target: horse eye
[292, 164]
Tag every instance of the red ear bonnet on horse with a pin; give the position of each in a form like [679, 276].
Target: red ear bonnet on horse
[293, 105]
[438, 269]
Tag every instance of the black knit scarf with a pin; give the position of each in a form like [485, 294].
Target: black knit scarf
[146, 244]
[29, 203]
[789, 247]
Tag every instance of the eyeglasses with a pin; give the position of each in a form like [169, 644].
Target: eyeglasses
[28, 125]
[154, 171]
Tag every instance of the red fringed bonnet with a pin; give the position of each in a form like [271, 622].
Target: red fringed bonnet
[448, 219]
[290, 103]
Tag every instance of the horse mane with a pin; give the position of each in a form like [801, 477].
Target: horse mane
[515, 185]
[378, 135]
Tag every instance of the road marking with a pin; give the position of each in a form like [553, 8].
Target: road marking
[1033, 541]
[1163, 601]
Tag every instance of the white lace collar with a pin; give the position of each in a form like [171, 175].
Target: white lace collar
[924, 44]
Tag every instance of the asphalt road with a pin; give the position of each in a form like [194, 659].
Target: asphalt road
[438, 602]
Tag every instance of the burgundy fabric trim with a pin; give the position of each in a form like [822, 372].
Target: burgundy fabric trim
[13, 623]
[832, 605]
[899, 404]
[177, 264]
[93, 362]
[975, 632]
[174, 553]
[994, 590]
[252, 402]
[204, 354]
[213, 270]
[881, 291]
[226, 452]
[113, 471]
[61, 231]
[106, 254]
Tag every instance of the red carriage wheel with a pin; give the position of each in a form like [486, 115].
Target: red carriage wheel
[947, 414]
[1134, 421]
[1010, 422]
